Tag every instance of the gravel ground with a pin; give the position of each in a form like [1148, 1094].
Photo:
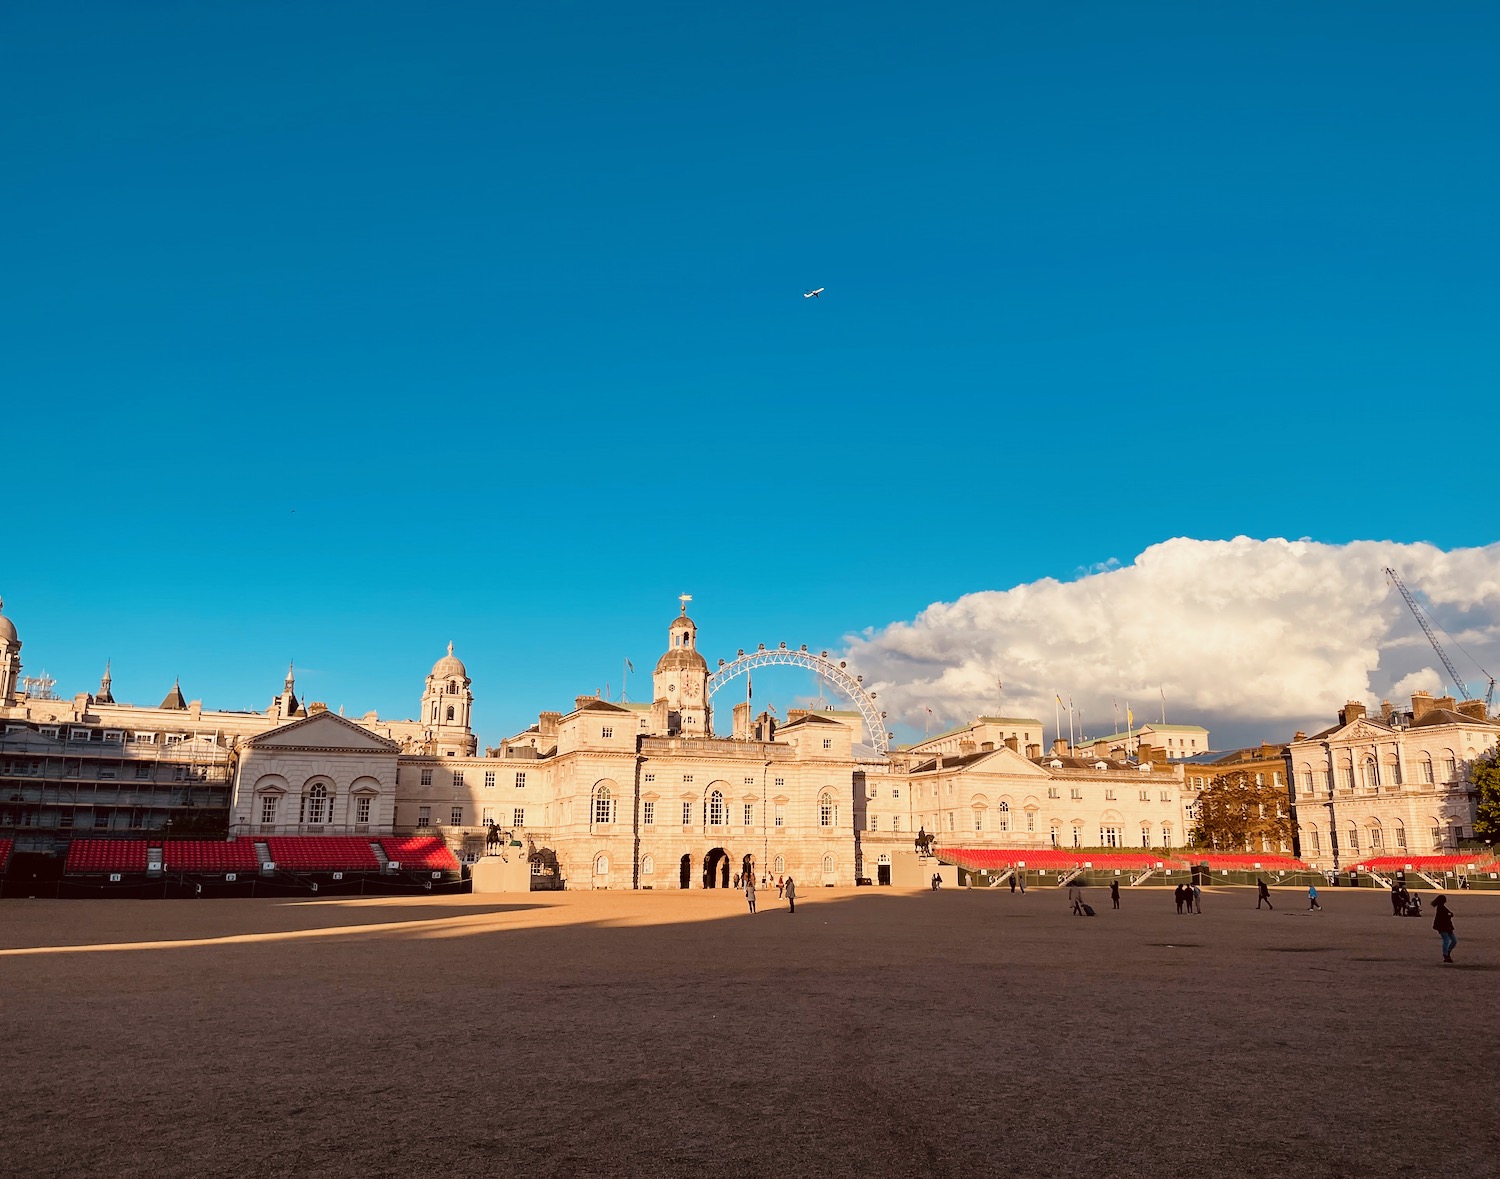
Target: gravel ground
[874, 1032]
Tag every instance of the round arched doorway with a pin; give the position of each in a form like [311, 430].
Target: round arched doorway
[716, 869]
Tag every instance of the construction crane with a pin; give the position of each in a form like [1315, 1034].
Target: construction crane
[1421, 618]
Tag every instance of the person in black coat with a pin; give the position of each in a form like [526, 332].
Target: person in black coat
[1442, 921]
[1114, 893]
[1263, 894]
[1177, 896]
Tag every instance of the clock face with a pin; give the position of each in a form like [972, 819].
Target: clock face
[671, 687]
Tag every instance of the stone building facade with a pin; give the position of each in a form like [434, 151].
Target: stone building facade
[1388, 784]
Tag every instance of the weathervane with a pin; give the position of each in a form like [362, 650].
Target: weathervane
[684, 599]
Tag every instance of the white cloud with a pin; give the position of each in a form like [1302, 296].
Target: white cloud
[1246, 636]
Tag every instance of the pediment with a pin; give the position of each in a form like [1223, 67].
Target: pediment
[1363, 729]
[326, 730]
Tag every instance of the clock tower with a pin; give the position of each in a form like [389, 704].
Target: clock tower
[680, 683]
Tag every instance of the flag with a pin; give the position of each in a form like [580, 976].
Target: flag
[1129, 716]
[749, 685]
[1059, 701]
[630, 665]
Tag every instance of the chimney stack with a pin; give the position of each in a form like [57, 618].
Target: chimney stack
[1032, 751]
[1474, 709]
[1446, 702]
[1012, 745]
[1351, 712]
[1060, 747]
[1421, 705]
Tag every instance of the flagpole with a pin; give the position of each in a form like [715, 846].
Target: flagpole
[1056, 716]
[1072, 748]
[1163, 692]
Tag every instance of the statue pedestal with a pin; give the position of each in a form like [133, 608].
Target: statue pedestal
[505, 871]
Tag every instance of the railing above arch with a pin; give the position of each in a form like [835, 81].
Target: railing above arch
[836, 673]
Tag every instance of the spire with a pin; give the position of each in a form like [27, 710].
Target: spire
[103, 696]
[174, 698]
[290, 676]
[289, 703]
[450, 646]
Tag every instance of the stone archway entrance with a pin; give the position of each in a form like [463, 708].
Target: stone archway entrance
[716, 869]
[685, 873]
[747, 868]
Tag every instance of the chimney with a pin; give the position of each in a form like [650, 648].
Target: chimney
[1474, 709]
[965, 748]
[1386, 711]
[1032, 751]
[547, 723]
[1060, 747]
[1012, 745]
[1299, 735]
[1446, 702]
[1145, 752]
[1351, 712]
[1421, 705]
[987, 747]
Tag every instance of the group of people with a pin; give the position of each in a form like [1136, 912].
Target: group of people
[1189, 897]
[785, 887]
[1404, 903]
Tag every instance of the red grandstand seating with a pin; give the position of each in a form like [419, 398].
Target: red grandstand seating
[106, 855]
[1421, 863]
[1248, 861]
[1053, 859]
[421, 851]
[322, 853]
[206, 855]
[5, 846]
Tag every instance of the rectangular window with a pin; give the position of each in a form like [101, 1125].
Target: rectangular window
[487, 816]
[1166, 796]
[780, 815]
[142, 772]
[65, 820]
[489, 779]
[1076, 793]
[749, 814]
[268, 808]
[518, 817]
[426, 777]
[687, 814]
[1427, 770]
[1437, 838]
[1401, 838]
[749, 781]
[520, 779]
[1052, 792]
[607, 732]
[648, 813]
[1146, 797]
[1317, 843]
[424, 816]
[874, 823]
[895, 792]
[1076, 842]
[687, 779]
[827, 743]
[101, 820]
[456, 817]
[896, 823]
[1109, 796]
[780, 781]
[978, 820]
[78, 734]
[651, 777]
[362, 810]
[458, 779]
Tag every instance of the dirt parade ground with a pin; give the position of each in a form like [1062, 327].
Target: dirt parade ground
[873, 1032]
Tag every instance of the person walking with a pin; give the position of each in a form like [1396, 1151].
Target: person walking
[1012, 882]
[1312, 899]
[791, 893]
[1195, 897]
[750, 891]
[1442, 921]
[1114, 894]
[1023, 884]
[780, 885]
[1396, 902]
[1262, 893]
[1075, 895]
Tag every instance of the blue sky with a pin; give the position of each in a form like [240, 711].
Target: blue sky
[337, 331]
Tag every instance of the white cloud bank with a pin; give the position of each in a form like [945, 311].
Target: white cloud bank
[1252, 638]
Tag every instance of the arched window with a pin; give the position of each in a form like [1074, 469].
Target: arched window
[1391, 771]
[1425, 769]
[1353, 839]
[450, 712]
[1450, 766]
[604, 806]
[1370, 775]
[1376, 838]
[1316, 839]
[716, 809]
[648, 865]
[601, 866]
[1004, 816]
[828, 865]
[779, 865]
[1305, 774]
[828, 813]
[317, 803]
[1401, 834]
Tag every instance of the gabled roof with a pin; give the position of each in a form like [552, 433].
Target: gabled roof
[598, 704]
[174, 698]
[811, 719]
[322, 730]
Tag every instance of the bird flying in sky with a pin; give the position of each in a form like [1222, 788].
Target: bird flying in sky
[813, 294]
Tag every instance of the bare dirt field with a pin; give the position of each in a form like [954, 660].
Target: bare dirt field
[873, 1032]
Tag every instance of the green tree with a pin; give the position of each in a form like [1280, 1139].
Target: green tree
[1485, 774]
[1234, 813]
